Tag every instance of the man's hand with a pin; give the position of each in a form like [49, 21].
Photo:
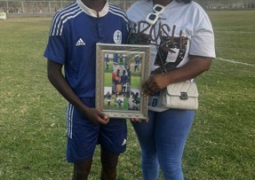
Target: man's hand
[96, 116]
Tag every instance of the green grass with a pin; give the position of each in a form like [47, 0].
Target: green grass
[32, 114]
[114, 105]
[234, 33]
[107, 79]
[135, 82]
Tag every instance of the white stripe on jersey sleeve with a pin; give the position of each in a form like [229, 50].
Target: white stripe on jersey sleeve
[123, 17]
[61, 19]
[69, 17]
[117, 11]
[56, 17]
[116, 8]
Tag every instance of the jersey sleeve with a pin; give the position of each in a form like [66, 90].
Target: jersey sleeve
[55, 50]
[202, 41]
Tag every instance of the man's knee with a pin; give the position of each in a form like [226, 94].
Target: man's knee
[82, 170]
[109, 161]
[80, 174]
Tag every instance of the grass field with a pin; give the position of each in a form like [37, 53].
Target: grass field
[32, 113]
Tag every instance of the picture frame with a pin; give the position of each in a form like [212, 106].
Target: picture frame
[120, 71]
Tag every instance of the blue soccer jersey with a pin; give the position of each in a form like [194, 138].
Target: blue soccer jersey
[74, 33]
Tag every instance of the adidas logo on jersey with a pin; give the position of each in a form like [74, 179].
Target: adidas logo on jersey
[80, 43]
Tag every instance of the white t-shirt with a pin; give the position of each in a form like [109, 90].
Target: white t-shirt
[183, 29]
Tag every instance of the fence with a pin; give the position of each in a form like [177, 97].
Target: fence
[50, 7]
[44, 6]
[32, 6]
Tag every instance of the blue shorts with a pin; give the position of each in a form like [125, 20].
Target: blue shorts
[83, 135]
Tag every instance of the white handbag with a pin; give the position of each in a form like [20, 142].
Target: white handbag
[182, 95]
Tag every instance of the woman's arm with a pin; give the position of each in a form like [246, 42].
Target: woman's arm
[192, 69]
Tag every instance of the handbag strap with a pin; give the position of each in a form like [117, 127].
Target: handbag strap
[164, 49]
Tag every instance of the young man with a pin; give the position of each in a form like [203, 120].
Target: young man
[124, 80]
[116, 79]
[121, 58]
[107, 61]
[108, 98]
[137, 62]
[72, 42]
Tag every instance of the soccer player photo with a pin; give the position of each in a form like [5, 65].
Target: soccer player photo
[120, 71]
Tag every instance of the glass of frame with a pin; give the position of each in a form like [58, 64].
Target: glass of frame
[120, 72]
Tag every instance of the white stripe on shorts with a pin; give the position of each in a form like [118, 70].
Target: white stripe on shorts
[69, 120]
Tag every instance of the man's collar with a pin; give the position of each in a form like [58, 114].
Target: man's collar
[92, 12]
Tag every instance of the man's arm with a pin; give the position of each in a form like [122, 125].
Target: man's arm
[192, 69]
[58, 80]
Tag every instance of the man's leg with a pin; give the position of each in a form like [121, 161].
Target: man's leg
[81, 170]
[113, 142]
[109, 163]
[82, 139]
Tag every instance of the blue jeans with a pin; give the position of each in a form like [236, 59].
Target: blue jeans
[162, 142]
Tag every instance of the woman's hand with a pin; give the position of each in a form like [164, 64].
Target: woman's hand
[158, 81]
[137, 120]
[154, 83]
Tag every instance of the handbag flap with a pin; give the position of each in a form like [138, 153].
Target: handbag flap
[176, 89]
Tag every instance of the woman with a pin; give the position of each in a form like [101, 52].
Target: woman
[181, 38]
